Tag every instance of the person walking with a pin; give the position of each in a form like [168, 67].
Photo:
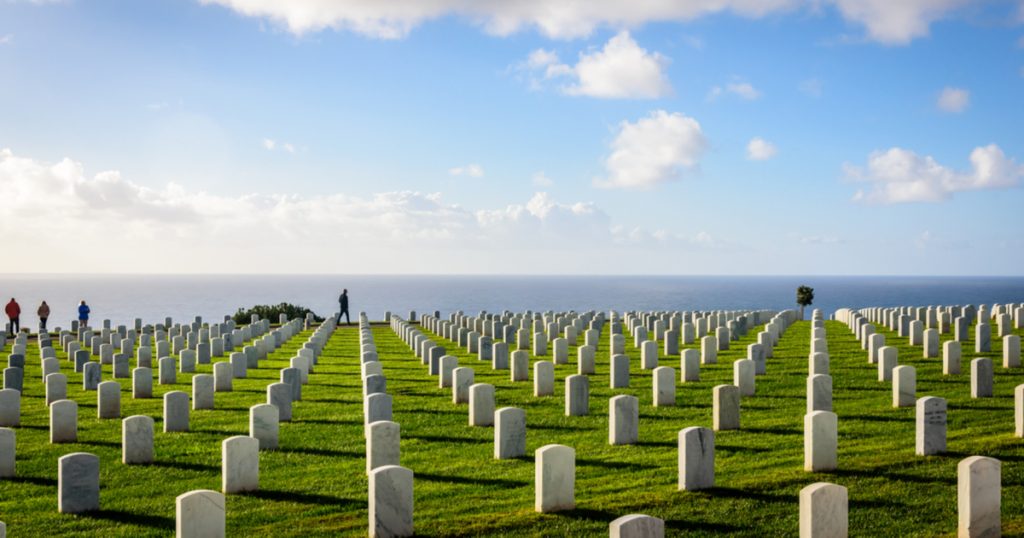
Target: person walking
[343, 304]
[44, 314]
[83, 314]
[13, 311]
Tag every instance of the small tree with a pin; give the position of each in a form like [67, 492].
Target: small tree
[804, 297]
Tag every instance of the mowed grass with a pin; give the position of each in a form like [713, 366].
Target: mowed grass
[316, 483]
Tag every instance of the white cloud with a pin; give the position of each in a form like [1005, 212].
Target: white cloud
[743, 90]
[652, 151]
[897, 22]
[759, 149]
[173, 229]
[270, 144]
[1020, 42]
[620, 70]
[811, 87]
[541, 180]
[469, 170]
[886, 21]
[6, 39]
[157, 106]
[899, 175]
[953, 100]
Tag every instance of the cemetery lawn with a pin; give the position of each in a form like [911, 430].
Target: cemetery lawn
[315, 484]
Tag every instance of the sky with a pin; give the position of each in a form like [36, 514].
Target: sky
[805, 137]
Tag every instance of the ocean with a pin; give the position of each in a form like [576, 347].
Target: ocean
[121, 298]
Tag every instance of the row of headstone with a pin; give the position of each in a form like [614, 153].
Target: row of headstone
[78, 488]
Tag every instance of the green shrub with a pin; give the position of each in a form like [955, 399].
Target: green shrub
[273, 312]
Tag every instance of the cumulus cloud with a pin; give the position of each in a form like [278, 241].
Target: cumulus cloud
[953, 100]
[469, 170]
[897, 22]
[620, 70]
[898, 175]
[886, 21]
[759, 149]
[653, 150]
[743, 90]
[542, 180]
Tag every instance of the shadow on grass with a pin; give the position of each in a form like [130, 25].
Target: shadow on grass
[734, 493]
[212, 431]
[738, 448]
[305, 498]
[562, 427]
[444, 439]
[324, 421]
[874, 418]
[142, 520]
[34, 480]
[668, 444]
[113, 444]
[588, 513]
[613, 464]
[691, 526]
[451, 479]
[324, 452]
[776, 431]
[185, 466]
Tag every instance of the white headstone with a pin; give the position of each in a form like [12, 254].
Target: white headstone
[383, 444]
[200, 514]
[509, 433]
[78, 483]
[637, 526]
[904, 386]
[821, 440]
[391, 501]
[176, 411]
[137, 440]
[240, 464]
[481, 404]
[555, 480]
[202, 391]
[726, 408]
[931, 426]
[64, 421]
[978, 497]
[824, 511]
[264, 425]
[623, 420]
[696, 458]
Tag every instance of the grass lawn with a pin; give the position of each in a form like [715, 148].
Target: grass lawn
[315, 484]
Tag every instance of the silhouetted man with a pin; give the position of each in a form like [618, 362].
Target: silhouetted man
[343, 304]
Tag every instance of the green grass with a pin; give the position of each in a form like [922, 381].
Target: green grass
[316, 484]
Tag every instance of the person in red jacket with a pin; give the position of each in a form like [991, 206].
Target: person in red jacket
[13, 311]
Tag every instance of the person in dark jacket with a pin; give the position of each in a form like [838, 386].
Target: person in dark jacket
[343, 304]
[44, 314]
[13, 311]
[83, 314]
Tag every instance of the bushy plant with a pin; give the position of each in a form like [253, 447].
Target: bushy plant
[273, 312]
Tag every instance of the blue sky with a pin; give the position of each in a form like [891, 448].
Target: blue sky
[445, 136]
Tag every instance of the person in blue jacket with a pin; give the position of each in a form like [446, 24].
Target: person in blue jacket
[83, 313]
